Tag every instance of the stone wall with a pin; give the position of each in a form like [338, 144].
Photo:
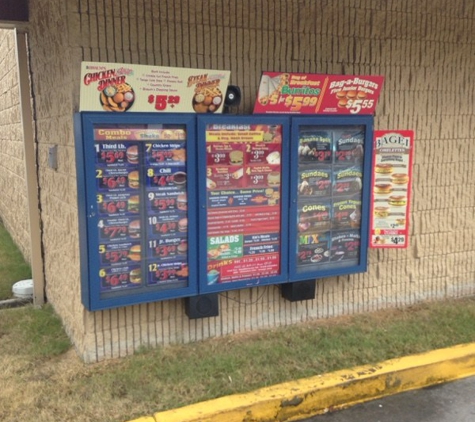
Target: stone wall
[425, 51]
[13, 193]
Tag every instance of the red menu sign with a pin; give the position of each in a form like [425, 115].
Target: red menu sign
[243, 200]
[391, 188]
[307, 93]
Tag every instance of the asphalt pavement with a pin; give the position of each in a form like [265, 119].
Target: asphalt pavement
[450, 402]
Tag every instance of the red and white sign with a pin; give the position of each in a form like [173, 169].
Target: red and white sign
[391, 188]
[116, 87]
[307, 93]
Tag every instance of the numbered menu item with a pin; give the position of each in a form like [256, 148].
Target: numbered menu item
[243, 169]
[391, 188]
[329, 190]
[167, 210]
[141, 206]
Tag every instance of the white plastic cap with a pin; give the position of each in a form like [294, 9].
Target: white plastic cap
[23, 289]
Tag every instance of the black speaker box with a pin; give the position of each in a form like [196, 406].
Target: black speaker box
[233, 96]
[299, 290]
[203, 306]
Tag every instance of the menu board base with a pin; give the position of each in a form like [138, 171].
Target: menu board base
[299, 290]
[202, 306]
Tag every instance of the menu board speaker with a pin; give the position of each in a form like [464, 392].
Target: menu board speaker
[233, 96]
[202, 306]
[300, 290]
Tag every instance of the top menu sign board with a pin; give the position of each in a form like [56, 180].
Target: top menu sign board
[307, 93]
[116, 87]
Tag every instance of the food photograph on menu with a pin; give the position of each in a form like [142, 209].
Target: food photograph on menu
[391, 189]
[243, 198]
[329, 196]
[141, 198]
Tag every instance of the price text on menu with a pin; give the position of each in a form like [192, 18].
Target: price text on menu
[142, 208]
[391, 188]
[243, 180]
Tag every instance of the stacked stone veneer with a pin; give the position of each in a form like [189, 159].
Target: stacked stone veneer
[13, 194]
[425, 51]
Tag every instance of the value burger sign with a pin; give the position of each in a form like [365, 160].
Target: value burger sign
[307, 93]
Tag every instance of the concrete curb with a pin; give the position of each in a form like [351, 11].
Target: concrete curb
[304, 398]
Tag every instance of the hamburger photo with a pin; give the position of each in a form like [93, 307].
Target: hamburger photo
[135, 276]
[382, 188]
[397, 200]
[135, 253]
[381, 212]
[182, 202]
[383, 168]
[183, 225]
[400, 178]
[236, 157]
[133, 154]
[134, 179]
[182, 247]
[134, 204]
[273, 178]
[134, 229]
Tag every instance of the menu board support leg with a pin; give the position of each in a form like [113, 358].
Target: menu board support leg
[202, 306]
[300, 290]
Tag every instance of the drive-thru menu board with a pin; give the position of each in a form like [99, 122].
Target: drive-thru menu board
[142, 207]
[243, 200]
[329, 198]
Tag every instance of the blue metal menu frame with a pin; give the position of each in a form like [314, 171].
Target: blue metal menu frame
[266, 226]
[313, 253]
[208, 280]
[92, 275]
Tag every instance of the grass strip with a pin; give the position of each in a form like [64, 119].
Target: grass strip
[13, 267]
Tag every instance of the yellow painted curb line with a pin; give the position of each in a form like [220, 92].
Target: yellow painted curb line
[304, 398]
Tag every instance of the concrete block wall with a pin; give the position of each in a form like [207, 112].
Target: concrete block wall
[13, 193]
[424, 50]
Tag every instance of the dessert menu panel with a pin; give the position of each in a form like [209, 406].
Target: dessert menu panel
[329, 197]
[243, 201]
[142, 207]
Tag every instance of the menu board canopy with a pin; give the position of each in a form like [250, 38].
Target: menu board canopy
[118, 87]
[391, 188]
[310, 93]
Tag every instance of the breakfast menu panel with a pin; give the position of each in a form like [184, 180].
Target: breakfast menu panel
[142, 209]
[329, 197]
[243, 200]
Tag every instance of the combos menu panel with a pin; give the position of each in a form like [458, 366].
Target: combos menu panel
[138, 194]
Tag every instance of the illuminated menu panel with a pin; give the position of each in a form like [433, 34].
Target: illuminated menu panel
[142, 206]
[243, 201]
[329, 197]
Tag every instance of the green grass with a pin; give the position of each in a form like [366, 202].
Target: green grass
[13, 267]
[33, 333]
[179, 375]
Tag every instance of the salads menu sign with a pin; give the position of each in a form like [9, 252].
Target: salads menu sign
[307, 93]
[391, 188]
[114, 87]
